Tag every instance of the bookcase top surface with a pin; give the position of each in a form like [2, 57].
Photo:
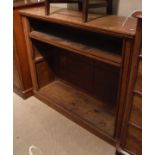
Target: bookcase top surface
[110, 24]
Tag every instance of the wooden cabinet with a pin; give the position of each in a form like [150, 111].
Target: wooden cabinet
[22, 82]
[131, 131]
[82, 69]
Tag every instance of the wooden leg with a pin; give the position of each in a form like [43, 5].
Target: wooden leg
[47, 7]
[109, 8]
[80, 6]
[85, 11]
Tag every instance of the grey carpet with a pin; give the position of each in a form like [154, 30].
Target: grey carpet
[37, 124]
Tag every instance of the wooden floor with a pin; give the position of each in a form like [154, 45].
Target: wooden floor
[95, 112]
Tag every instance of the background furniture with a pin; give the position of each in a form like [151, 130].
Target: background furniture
[22, 83]
[130, 140]
[83, 5]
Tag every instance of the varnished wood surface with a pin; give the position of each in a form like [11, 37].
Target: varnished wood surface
[98, 54]
[22, 78]
[86, 107]
[137, 14]
[97, 78]
[80, 71]
[131, 132]
[134, 140]
[107, 24]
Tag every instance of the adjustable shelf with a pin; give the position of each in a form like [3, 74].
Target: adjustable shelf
[76, 47]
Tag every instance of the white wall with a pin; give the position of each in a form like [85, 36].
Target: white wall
[125, 7]
[60, 5]
[120, 7]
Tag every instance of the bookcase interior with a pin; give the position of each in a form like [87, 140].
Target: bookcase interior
[84, 86]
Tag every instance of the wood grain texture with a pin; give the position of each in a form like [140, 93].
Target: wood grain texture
[123, 84]
[109, 24]
[134, 140]
[80, 104]
[22, 82]
[77, 48]
[97, 78]
[131, 132]
[22, 78]
[93, 59]
[30, 52]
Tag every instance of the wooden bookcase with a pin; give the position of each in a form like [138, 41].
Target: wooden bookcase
[81, 69]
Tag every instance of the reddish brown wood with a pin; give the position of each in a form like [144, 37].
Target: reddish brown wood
[131, 130]
[74, 58]
[21, 73]
[111, 25]
[124, 78]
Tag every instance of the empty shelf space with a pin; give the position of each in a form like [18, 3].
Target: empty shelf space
[80, 47]
[94, 112]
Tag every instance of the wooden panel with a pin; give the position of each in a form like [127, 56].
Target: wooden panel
[44, 74]
[96, 78]
[106, 24]
[131, 133]
[72, 68]
[16, 69]
[21, 53]
[138, 85]
[136, 112]
[99, 114]
[99, 77]
[80, 48]
[22, 79]
[134, 140]
[105, 84]
[80, 72]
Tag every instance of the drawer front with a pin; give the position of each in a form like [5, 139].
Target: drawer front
[136, 111]
[134, 140]
[138, 84]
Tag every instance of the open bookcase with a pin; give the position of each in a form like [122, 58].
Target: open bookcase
[78, 71]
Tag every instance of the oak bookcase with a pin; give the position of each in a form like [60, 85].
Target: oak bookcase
[81, 69]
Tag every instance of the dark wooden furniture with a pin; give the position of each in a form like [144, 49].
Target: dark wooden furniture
[81, 69]
[22, 82]
[131, 129]
[83, 5]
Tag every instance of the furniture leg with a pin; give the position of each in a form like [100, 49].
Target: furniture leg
[85, 11]
[109, 7]
[47, 7]
[80, 6]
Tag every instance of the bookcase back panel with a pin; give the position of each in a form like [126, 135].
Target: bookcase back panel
[89, 75]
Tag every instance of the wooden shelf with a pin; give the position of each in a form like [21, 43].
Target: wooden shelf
[107, 24]
[72, 101]
[78, 47]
